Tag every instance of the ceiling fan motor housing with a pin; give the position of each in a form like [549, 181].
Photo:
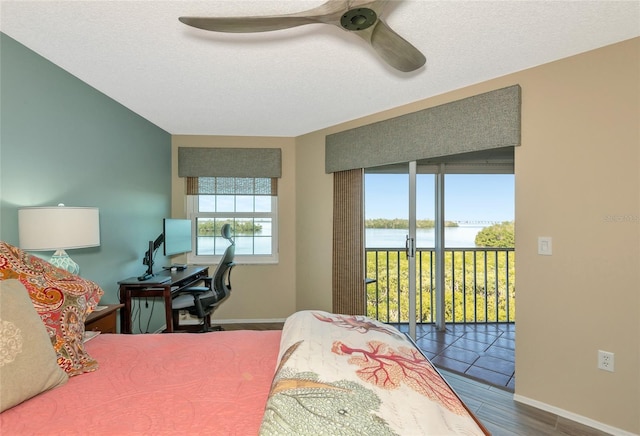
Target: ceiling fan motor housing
[358, 19]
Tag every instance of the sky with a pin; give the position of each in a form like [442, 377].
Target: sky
[468, 197]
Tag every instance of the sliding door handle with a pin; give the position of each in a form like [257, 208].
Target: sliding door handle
[410, 247]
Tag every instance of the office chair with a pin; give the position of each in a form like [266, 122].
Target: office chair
[202, 301]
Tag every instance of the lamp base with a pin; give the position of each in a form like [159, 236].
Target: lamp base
[62, 260]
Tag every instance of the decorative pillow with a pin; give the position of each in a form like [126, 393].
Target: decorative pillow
[28, 364]
[63, 301]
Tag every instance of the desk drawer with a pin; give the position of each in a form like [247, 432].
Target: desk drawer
[106, 324]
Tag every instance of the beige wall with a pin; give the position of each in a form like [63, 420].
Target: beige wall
[577, 172]
[260, 292]
[578, 165]
[314, 225]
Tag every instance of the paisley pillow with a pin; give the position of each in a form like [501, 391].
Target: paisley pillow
[63, 301]
[28, 364]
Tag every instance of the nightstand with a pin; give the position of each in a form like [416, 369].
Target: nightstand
[103, 320]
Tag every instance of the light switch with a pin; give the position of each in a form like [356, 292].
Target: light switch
[544, 245]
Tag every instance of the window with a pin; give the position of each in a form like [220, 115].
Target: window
[249, 205]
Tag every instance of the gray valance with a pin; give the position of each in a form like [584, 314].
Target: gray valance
[481, 122]
[229, 162]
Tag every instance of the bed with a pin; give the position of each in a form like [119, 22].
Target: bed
[323, 373]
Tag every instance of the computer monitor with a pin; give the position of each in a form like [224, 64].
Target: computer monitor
[177, 236]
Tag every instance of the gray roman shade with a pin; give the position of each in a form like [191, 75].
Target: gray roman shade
[232, 186]
[482, 122]
[229, 162]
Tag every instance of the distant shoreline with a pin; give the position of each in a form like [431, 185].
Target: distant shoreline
[455, 237]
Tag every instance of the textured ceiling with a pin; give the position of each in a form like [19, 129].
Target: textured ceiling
[294, 81]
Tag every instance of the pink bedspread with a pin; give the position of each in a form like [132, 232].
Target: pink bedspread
[213, 383]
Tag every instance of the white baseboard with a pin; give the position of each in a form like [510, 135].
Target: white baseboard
[572, 416]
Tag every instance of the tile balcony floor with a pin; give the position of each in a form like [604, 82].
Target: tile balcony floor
[485, 352]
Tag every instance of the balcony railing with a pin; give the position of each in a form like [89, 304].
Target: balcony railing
[479, 285]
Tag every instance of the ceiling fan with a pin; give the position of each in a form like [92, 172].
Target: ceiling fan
[361, 17]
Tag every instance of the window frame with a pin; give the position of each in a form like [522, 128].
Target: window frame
[193, 214]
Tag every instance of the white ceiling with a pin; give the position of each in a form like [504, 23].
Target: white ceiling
[295, 81]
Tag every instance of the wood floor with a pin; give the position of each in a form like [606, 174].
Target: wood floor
[501, 415]
[493, 406]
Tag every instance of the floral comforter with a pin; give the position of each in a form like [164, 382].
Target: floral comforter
[351, 375]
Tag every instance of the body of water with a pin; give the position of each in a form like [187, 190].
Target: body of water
[244, 245]
[454, 237]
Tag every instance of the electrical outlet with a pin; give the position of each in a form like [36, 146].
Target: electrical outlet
[605, 360]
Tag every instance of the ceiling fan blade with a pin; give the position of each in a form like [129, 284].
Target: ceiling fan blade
[394, 49]
[246, 24]
[328, 12]
[362, 17]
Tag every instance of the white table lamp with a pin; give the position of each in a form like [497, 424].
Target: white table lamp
[58, 229]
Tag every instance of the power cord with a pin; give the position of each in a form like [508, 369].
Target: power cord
[136, 313]
[153, 305]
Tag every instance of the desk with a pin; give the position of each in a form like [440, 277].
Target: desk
[163, 284]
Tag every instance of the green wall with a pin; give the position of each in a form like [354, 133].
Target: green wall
[62, 141]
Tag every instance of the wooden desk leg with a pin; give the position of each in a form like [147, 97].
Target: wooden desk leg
[168, 310]
[125, 313]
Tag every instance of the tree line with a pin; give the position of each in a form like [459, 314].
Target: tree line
[400, 223]
[212, 227]
[497, 236]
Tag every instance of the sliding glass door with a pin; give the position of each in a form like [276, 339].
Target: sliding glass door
[421, 221]
[399, 218]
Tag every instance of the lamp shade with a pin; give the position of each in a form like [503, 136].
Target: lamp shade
[58, 228]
